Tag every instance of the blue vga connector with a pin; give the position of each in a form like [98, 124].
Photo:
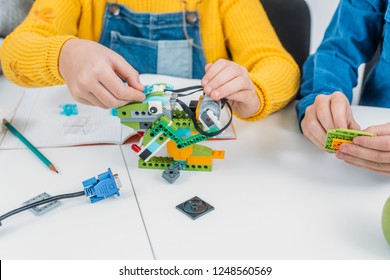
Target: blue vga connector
[105, 185]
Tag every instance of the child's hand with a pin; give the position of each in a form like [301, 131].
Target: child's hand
[327, 112]
[372, 153]
[226, 79]
[93, 75]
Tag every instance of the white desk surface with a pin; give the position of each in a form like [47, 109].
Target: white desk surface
[77, 229]
[109, 229]
[276, 196]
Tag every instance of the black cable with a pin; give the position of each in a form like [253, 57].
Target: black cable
[189, 112]
[186, 89]
[192, 92]
[43, 201]
[195, 88]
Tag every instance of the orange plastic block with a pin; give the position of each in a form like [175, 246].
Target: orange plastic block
[337, 142]
[197, 107]
[179, 154]
[206, 160]
[200, 160]
[219, 154]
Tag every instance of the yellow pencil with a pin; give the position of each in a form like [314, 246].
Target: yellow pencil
[29, 145]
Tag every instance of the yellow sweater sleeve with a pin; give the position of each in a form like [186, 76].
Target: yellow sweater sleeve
[30, 53]
[254, 44]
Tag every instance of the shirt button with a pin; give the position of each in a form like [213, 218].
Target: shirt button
[191, 17]
[114, 9]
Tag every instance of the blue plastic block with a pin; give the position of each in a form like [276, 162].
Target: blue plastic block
[154, 146]
[148, 89]
[156, 98]
[114, 112]
[105, 185]
[152, 88]
[169, 87]
[69, 109]
[183, 132]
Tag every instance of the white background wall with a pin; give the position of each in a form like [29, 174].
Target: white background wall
[321, 14]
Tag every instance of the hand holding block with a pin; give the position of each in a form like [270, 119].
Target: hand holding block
[335, 137]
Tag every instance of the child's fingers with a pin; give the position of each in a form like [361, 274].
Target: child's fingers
[340, 110]
[104, 96]
[120, 90]
[127, 72]
[312, 128]
[233, 89]
[229, 73]
[353, 124]
[96, 102]
[379, 143]
[382, 129]
[208, 65]
[323, 111]
[214, 70]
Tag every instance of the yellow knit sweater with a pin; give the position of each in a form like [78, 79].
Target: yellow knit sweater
[30, 54]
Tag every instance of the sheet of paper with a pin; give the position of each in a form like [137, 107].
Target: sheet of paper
[38, 117]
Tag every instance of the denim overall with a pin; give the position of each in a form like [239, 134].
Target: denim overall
[154, 43]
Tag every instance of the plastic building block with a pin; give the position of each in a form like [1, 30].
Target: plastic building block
[114, 112]
[209, 112]
[69, 109]
[171, 173]
[194, 207]
[39, 210]
[159, 88]
[105, 185]
[335, 137]
[157, 162]
[179, 154]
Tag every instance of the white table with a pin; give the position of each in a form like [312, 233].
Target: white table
[77, 229]
[276, 196]
[109, 229]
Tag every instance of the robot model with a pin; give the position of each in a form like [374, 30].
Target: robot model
[160, 123]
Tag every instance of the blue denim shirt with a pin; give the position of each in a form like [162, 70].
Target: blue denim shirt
[356, 30]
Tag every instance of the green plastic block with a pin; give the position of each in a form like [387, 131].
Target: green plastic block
[124, 111]
[156, 93]
[158, 162]
[342, 134]
[200, 150]
[178, 114]
[161, 139]
[198, 167]
[386, 220]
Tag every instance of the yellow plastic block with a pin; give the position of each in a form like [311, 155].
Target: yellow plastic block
[197, 107]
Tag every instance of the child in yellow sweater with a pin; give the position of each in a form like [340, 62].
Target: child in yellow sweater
[93, 45]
